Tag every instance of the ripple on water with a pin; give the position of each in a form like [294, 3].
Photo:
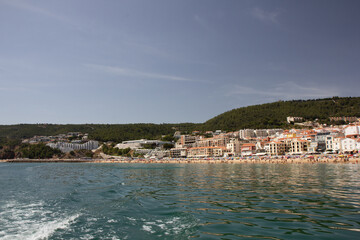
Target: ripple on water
[204, 201]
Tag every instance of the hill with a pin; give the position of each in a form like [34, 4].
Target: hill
[273, 115]
[270, 115]
[11, 134]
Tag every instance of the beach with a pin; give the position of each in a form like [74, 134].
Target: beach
[264, 160]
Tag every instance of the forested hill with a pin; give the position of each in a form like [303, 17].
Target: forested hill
[270, 115]
[273, 115]
[101, 132]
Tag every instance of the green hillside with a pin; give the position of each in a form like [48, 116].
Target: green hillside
[11, 134]
[270, 115]
[273, 115]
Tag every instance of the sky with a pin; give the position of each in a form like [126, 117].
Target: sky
[170, 61]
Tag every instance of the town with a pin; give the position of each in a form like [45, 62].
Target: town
[306, 137]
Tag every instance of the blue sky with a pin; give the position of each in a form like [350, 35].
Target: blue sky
[155, 61]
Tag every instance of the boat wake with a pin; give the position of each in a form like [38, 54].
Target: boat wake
[31, 221]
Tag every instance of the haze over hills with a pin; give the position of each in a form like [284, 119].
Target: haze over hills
[270, 115]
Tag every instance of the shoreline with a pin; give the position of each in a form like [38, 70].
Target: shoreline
[279, 160]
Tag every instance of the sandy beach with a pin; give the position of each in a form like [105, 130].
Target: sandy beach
[262, 160]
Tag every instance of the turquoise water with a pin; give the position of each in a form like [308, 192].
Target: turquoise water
[170, 201]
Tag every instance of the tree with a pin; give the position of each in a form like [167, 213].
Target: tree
[168, 146]
[168, 138]
[7, 154]
[40, 150]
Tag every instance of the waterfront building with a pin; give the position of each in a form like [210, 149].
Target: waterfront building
[329, 142]
[299, 146]
[337, 144]
[206, 151]
[348, 145]
[313, 147]
[248, 149]
[321, 138]
[178, 152]
[275, 148]
[233, 147]
[358, 145]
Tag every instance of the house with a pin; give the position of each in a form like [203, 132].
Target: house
[248, 149]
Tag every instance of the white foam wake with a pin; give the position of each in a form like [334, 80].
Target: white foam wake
[172, 226]
[31, 221]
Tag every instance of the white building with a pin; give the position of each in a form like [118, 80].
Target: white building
[247, 133]
[352, 131]
[261, 133]
[135, 144]
[358, 145]
[68, 147]
[348, 145]
[272, 132]
[337, 144]
[178, 152]
[234, 147]
[329, 143]
[294, 119]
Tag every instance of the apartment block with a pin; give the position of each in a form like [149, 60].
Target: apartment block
[275, 148]
[206, 151]
[247, 133]
[299, 146]
[178, 152]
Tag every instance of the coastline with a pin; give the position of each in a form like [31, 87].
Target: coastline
[274, 160]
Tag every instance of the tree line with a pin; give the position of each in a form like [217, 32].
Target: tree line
[270, 115]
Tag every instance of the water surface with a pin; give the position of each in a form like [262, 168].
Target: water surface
[179, 201]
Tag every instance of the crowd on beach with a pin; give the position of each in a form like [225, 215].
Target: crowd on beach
[333, 158]
[263, 159]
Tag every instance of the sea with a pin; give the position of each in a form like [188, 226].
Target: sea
[179, 201]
